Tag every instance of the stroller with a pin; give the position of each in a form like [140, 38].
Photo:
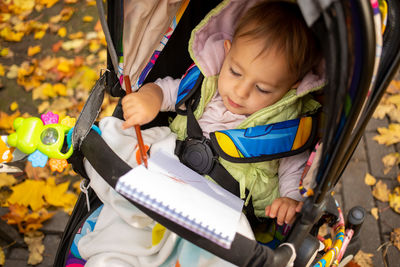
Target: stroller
[360, 64]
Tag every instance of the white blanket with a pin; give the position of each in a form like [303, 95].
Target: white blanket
[123, 235]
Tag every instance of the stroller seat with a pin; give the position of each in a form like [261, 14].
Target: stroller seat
[341, 123]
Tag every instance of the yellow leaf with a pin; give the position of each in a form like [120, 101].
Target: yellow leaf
[394, 87]
[43, 107]
[43, 92]
[60, 104]
[6, 179]
[2, 257]
[76, 35]
[24, 4]
[68, 121]
[369, 179]
[382, 110]
[28, 193]
[62, 32]
[77, 186]
[388, 136]
[14, 106]
[103, 55]
[53, 193]
[48, 3]
[395, 237]
[4, 52]
[375, 213]
[390, 160]
[394, 115]
[39, 35]
[91, 2]
[94, 46]
[65, 65]
[12, 72]
[381, 191]
[76, 45]
[363, 259]
[35, 247]
[87, 18]
[33, 50]
[88, 77]
[394, 99]
[5, 17]
[66, 13]
[394, 199]
[10, 35]
[2, 72]
[55, 19]
[60, 89]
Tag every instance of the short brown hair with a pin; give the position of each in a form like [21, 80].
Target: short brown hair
[281, 25]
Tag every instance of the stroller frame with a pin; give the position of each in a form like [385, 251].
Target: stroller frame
[344, 66]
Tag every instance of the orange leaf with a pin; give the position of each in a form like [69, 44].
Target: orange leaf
[33, 50]
[6, 121]
[56, 47]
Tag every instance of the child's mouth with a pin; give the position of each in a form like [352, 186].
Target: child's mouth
[233, 104]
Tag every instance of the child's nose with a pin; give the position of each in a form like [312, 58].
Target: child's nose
[242, 90]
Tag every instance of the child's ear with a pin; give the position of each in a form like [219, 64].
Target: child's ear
[227, 46]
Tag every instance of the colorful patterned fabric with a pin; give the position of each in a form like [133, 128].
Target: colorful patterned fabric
[162, 44]
[74, 259]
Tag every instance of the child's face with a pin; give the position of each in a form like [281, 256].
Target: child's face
[250, 80]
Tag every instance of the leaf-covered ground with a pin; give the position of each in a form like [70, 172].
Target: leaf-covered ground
[51, 54]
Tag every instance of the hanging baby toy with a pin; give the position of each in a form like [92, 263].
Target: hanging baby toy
[44, 139]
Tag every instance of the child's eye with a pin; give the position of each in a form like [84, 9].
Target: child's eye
[234, 72]
[262, 90]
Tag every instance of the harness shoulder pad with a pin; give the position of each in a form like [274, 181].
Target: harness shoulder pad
[189, 85]
[265, 142]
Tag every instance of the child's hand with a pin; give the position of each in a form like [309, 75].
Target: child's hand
[141, 107]
[284, 209]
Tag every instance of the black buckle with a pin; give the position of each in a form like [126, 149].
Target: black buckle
[198, 155]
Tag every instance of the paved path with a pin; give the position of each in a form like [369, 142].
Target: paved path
[351, 191]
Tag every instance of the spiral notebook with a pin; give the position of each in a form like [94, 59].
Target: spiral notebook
[173, 190]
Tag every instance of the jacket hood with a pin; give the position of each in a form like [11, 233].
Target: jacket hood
[206, 45]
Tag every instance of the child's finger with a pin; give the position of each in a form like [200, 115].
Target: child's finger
[299, 206]
[130, 122]
[291, 212]
[273, 210]
[281, 215]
